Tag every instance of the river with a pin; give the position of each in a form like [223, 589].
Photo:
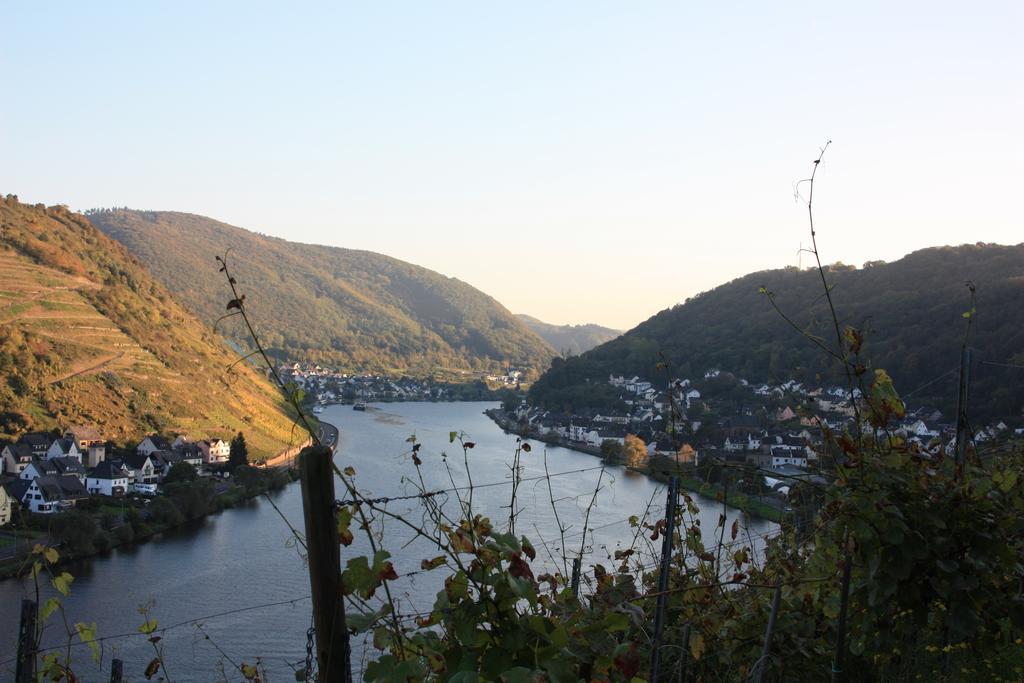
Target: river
[217, 569]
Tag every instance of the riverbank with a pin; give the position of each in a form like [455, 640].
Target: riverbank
[739, 501]
[99, 524]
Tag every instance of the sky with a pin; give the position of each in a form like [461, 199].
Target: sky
[582, 162]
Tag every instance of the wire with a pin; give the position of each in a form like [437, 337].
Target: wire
[431, 494]
[164, 629]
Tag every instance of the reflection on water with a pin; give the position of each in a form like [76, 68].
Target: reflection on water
[246, 557]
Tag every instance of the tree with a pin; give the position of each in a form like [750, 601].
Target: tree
[239, 452]
[634, 450]
[181, 471]
[611, 449]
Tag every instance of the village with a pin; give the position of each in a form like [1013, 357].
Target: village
[325, 385]
[773, 433]
[47, 473]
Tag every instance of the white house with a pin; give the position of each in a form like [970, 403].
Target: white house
[151, 444]
[215, 451]
[47, 495]
[16, 456]
[57, 467]
[108, 479]
[141, 468]
[6, 503]
[63, 448]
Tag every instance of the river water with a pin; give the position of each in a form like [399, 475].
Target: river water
[243, 558]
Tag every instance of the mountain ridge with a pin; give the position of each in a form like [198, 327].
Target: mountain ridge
[90, 337]
[911, 311]
[356, 309]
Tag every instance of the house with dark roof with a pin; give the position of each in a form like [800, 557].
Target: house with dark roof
[16, 457]
[191, 454]
[163, 461]
[63, 448]
[49, 494]
[109, 478]
[151, 444]
[38, 442]
[141, 468]
[56, 467]
[84, 436]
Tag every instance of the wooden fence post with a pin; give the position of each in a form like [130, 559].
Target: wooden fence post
[25, 672]
[666, 559]
[116, 671]
[324, 556]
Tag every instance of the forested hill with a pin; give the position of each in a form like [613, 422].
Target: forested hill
[87, 337]
[355, 310]
[570, 340]
[911, 311]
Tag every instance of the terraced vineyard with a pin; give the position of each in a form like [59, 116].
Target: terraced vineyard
[86, 336]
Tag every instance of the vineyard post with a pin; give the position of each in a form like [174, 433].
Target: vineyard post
[666, 558]
[26, 668]
[961, 405]
[844, 604]
[576, 565]
[324, 548]
[685, 653]
[769, 632]
[116, 671]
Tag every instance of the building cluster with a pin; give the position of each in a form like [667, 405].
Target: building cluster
[723, 418]
[46, 473]
[328, 386]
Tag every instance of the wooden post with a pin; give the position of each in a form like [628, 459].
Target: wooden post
[666, 558]
[324, 556]
[577, 563]
[25, 671]
[116, 671]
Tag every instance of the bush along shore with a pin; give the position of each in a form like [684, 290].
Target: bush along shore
[658, 468]
[100, 523]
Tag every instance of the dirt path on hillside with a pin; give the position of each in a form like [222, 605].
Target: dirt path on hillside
[90, 369]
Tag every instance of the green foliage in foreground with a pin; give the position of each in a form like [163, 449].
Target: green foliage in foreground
[934, 548]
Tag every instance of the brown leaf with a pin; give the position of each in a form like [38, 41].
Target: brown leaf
[153, 667]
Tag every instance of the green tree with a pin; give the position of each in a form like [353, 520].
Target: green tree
[611, 450]
[239, 456]
[181, 471]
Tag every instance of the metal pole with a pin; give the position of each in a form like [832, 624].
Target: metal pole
[844, 603]
[685, 654]
[961, 405]
[666, 558]
[25, 671]
[762, 663]
[324, 556]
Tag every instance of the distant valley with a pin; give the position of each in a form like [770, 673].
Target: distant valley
[570, 340]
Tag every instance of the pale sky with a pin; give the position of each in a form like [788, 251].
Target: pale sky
[589, 162]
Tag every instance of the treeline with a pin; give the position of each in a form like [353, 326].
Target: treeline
[911, 312]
